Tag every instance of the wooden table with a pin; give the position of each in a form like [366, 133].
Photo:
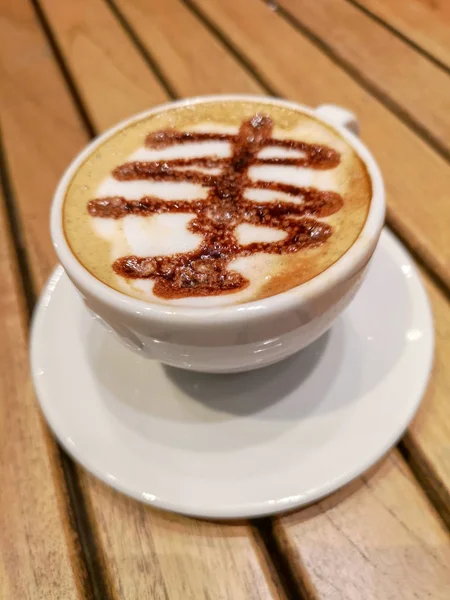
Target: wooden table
[70, 69]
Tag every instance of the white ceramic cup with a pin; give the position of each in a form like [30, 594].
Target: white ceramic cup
[244, 336]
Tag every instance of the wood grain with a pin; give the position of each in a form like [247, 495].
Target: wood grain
[413, 172]
[103, 60]
[376, 538]
[37, 545]
[420, 88]
[425, 22]
[144, 553]
[191, 57]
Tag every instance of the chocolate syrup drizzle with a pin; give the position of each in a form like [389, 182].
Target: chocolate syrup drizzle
[205, 270]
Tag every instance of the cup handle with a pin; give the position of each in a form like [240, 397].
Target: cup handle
[338, 116]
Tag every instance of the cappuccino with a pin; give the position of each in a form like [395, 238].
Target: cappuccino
[216, 203]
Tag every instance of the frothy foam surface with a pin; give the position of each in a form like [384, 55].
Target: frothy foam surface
[218, 203]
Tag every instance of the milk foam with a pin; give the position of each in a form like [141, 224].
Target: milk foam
[167, 234]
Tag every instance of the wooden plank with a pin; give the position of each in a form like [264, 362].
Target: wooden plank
[37, 545]
[392, 66]
[376, 538]
[180, 45]
[144, 553]
[156, 555]
[425, 23]
[103, 60]
[413, 172]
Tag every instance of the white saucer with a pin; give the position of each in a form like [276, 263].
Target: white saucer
[238, 445]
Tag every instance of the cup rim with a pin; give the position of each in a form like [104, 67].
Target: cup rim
[351, 262]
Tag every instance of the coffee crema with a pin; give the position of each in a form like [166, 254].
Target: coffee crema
[217, 203]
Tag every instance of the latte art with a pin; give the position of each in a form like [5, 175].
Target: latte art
[205, 271]
[204, 213]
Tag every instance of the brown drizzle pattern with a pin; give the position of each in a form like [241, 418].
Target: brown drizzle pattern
[205, 270]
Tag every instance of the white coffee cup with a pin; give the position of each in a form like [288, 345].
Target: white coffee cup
[245, 336]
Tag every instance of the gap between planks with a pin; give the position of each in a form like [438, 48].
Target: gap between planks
[420, 49]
